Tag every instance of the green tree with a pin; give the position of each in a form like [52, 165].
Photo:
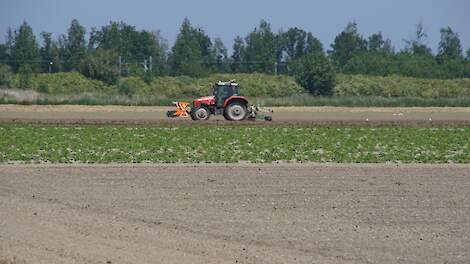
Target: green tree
[261, 50]
[417, 44]
[132, 45]
[348, 43]
[25, 49]
[299, 43]
[378, 59]
[45, 50]
[449, 46]
[417, 65]
[101, 65]
[370, 63]
[388, 48]
[152, 46]
[118, 36]
[4, 57]
[238, 55]
[75, 46]
[467, 65]
[6, 76]
[376, 42]
[191, 51]
[316, 74]
[25, 72]
[50, 54]
[219, 52]
[6, 50]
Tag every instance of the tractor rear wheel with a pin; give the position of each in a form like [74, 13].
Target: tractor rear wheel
[200, 113]
[235, 111]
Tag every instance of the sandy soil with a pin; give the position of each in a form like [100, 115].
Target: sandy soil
[73, 114]
[314, 213]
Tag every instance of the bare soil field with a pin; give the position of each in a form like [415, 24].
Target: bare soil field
[74, 114]
[243, 213]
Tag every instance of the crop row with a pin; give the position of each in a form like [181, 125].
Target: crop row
[90, 144]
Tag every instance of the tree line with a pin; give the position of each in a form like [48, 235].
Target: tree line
[118, 49]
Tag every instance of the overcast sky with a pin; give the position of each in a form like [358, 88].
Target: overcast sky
[227, 19]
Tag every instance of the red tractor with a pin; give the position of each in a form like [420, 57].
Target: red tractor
[226, 100]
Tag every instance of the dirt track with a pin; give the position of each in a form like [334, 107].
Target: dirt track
[72, 114]
[235, 213]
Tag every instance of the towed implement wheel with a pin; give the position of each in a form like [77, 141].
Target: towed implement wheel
[200, 113]
[171, 113]
[235, 111]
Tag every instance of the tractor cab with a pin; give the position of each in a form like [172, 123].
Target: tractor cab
[224, 90]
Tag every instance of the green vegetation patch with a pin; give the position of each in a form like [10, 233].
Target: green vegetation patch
[349, 90]
[91, 144]
[399, 86]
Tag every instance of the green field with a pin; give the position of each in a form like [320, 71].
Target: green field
[107, 144]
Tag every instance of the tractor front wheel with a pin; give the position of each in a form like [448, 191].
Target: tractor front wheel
[200, 113]
[235, 111]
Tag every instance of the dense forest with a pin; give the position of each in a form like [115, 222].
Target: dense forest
[119, 50]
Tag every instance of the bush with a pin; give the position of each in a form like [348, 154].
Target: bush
[253, 85]
[26, 73]
[101, 65]
[132, 85]
[43, 88]
[316, 74]
[399, 86]
[69, 83]
[7, 78]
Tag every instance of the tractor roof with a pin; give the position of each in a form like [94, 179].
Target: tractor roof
[227, 83]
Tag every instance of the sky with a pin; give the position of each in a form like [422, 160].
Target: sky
[226, 19]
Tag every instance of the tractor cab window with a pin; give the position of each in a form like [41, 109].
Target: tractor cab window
[236, 90]
[222, 92]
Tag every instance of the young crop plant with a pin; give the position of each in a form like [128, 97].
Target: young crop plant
[109, 144]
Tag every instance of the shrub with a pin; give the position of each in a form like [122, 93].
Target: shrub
[69, 83]
[43, 88]
[7, 78]
[253, 85]
[101, 65]
[132, 85]
[316, 74]
[399, 86]
[26, 73]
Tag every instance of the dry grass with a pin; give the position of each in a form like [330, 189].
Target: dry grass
[20, 94]
[11, 260]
